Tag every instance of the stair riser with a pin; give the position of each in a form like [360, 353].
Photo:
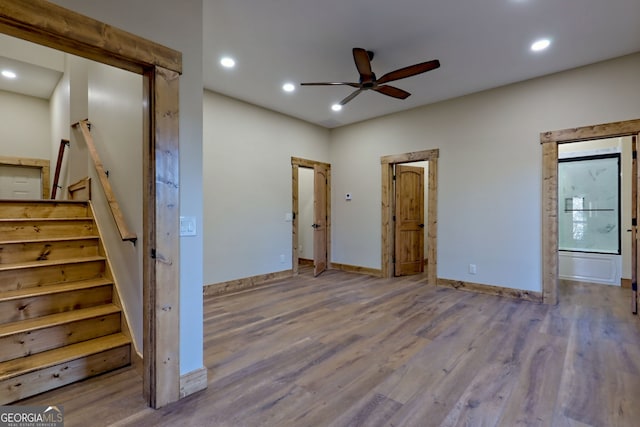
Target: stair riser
[26, 252]
[29, 308]
[27, 343]
[30, 230]
[36, 382]
[41, 276]
[16, 209]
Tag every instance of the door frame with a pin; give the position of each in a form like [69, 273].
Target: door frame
[387, 164]
[296, 164]
[53, 26]
[43, 165]
[549, 141]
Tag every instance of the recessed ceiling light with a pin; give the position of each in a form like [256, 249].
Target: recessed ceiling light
[288, 87]
[9, 74]
[541, 44]
[227, 62]
[336, 107]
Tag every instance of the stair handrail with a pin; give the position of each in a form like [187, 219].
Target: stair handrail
[125, 233]
[56, 177]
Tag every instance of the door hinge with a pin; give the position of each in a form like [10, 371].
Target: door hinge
[394, 217]
[634, 154]
[394, 177]
[293, 216]
[153, 253]
[634, 222]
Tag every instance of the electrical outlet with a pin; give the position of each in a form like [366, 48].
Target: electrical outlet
[473, 269]
[282, 259]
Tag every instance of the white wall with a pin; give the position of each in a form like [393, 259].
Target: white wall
[114, 100]
[177, 25]
[59, 110]
[305, 210]
[247, 185]
[25, 126]
[489, 194]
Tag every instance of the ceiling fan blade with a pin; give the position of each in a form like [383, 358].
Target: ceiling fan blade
[409, 71]
[356, 85]
[363, 64]
[350, 97]
[392, 91]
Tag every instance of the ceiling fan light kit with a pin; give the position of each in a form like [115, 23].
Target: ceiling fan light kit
[369, 81]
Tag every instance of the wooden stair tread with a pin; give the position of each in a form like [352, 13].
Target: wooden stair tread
[44, 201]
[25, 365]
[50, 239]
[54, 219]
[47, 263]
[55, 288]
[57, 319]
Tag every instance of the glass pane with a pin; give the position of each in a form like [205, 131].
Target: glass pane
[588, 191]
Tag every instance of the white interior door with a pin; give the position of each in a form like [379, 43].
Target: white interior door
[20, 182]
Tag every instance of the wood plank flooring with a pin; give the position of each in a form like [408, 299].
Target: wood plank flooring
[351, 350]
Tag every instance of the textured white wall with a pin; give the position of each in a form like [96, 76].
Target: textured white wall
[305, 210]
[247, 185]
[114, 99]
[489, 195]
[26, 129]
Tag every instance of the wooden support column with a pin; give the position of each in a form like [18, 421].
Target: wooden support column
[432, 222]
[162, 253]
[550, 222]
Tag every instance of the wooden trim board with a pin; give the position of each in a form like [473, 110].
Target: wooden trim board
[43, 165]
[491, 290]
[246, 283]
[357, 269]
[193, 382]
[80, 190]
[45, 23]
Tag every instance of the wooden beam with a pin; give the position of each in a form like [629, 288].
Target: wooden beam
[305, 163]
[550, 223]
[415, 156]
[54, 26]
[432, 222]
[162, 299]
[585, 133]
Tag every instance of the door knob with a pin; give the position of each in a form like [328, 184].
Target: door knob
[315, 225]
[421, 225]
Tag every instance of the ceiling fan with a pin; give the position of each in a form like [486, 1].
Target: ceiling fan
[368, 79]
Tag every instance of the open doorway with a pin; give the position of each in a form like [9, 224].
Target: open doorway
[550, 204]
[311, 214]
[414, 226]
[595, 215]
[160, 68]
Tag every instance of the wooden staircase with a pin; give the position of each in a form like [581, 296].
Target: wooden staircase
[60, 319]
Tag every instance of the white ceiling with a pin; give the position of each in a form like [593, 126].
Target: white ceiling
[481, 44]
[32, 80]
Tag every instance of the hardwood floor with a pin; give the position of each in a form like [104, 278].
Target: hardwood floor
[351, 350]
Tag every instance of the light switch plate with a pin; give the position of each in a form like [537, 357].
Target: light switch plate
[188, 226]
